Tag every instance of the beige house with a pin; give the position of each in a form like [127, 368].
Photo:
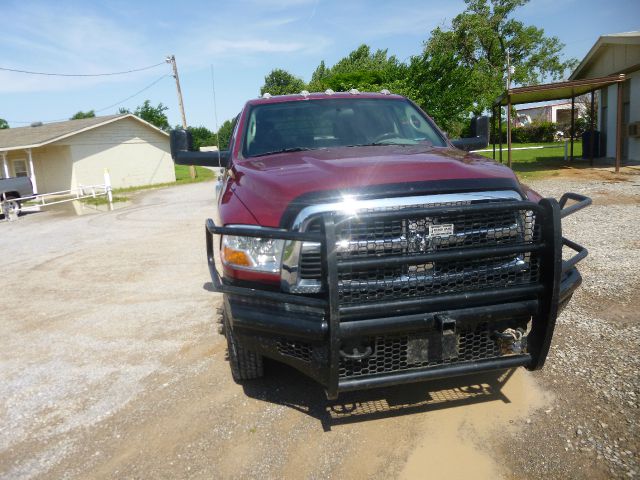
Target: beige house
[66, 155]
[613, 55]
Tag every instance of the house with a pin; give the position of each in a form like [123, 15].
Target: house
[66, 155]
[559, 113]
[613, 55]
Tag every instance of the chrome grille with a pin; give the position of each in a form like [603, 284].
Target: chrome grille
[302, 264]
[411, 278]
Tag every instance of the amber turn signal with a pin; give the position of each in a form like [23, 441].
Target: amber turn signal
[235, 257]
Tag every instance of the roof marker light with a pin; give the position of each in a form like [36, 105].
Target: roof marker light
[328, 91]
[354, 91]
[266, 95]
[384, 91]
[304, 93]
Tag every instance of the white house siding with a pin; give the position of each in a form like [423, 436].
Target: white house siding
[134, 154]
[634, 116]
[620, 54]
[611, 59]
[612, 112]
[53, 167]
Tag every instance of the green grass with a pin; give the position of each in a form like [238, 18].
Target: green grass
[182, 174]
[102, 200]
[182, 177]
[540, 162]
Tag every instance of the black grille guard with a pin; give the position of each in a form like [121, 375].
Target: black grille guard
[543, 299]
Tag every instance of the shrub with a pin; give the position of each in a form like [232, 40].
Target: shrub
[539, 132]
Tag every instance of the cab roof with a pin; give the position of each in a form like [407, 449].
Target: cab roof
[320, 96]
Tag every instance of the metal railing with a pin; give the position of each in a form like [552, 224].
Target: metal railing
[11, 207]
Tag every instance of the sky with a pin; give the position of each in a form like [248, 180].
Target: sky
[239, 41]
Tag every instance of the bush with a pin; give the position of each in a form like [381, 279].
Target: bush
[539, 132]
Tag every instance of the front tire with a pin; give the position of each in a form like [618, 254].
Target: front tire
[245, 364]
[11, 208]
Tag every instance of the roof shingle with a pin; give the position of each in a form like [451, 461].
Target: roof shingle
[11, 138]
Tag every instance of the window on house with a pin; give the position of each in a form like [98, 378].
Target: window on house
[20, 168]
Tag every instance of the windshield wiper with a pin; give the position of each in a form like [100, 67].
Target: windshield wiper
[283, 150]
[378, 144]
[421, 143]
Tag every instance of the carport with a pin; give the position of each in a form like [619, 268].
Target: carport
[557, 91]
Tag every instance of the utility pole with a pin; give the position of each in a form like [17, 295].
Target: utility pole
[172, 60]
[508, 71]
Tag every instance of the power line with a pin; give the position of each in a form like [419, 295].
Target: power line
[82, 74]
[105, 108]
[134, 95]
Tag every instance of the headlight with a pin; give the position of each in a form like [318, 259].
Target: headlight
[252, 253]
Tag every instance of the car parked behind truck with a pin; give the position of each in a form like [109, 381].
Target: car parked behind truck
[11, 189]
[360, 246]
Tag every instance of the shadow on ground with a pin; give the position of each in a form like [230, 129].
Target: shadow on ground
[284, 385]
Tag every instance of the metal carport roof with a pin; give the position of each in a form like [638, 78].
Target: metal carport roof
[555, 91]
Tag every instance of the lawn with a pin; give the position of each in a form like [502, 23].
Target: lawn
[537, 162]
[182, 177]
[182, 174]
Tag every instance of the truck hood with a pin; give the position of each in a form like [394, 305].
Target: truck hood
[275, 187]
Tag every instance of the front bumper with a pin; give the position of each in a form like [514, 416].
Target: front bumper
[405, 341]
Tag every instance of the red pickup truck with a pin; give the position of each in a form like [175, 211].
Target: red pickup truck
[358, 245]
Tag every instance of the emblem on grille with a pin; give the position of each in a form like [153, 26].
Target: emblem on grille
[443, 230]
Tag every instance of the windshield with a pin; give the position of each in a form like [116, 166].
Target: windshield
[343, 122]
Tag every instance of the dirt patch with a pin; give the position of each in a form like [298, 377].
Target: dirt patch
[597, 174]
[454, 442]
[605, 198]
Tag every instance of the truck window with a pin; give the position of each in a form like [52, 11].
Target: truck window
[326, 123]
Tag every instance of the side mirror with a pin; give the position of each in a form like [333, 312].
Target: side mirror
[182, 152]
[470, 144]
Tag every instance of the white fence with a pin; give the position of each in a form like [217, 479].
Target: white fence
[11, 207]
[564, 144]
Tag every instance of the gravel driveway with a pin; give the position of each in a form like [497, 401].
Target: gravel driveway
[111, 366]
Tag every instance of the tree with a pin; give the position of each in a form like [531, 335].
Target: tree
[81, 114]
[281, 82]
[123, 110]
[318, 78]
[479, 40]
[583, 107]
[360, 69]
[442, 87]
[361, 59]
[224, 134]
[154, 115]
[3, 124]
[202, 137]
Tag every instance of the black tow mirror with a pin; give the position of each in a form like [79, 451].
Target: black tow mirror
[470, 144]
[182, 152]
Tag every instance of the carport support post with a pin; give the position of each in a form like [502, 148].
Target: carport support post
[591, 127]
[573, 125]
[619, 128]
[509, 130]
[500, 128]
[493, 130]
[5, 165]
[32, 172]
